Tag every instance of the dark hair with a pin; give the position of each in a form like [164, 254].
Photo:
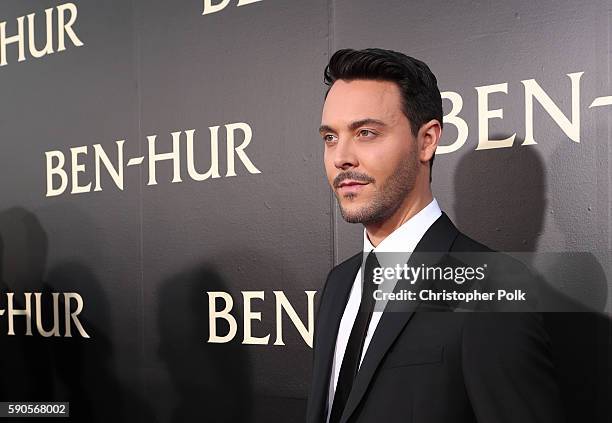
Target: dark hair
[421, 100]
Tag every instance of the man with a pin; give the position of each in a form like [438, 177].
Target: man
[381, 123]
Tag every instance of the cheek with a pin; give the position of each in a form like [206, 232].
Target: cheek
[381, 162]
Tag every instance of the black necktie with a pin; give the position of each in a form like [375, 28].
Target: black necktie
[354, 347]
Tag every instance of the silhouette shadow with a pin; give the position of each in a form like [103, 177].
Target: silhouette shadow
[74, 369]
[85, 366]
[501, 200]
[212, 380]
[25, 365]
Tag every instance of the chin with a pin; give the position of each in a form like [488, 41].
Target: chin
[352, 214]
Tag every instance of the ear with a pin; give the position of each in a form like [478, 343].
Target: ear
[428, 137]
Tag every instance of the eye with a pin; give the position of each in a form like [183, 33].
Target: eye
[366, 133]
[329, 138]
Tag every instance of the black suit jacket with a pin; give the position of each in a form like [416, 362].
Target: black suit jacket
[430, 367]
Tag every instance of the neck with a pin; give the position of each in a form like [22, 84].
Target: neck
[411, 205]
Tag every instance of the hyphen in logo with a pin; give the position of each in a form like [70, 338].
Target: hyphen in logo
[65, 16]
[210, 7]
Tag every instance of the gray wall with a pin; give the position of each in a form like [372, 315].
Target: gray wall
[144, 258]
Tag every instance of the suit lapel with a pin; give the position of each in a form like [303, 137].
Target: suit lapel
[337, 292]
[437, 240]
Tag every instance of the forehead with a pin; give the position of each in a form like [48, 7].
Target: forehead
[358, 99]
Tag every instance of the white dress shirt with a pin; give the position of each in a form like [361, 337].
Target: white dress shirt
[403, 240]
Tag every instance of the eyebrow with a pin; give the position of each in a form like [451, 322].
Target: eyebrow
[355, 124]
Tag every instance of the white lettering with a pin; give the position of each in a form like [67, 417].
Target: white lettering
[484, 114]
[570, 127]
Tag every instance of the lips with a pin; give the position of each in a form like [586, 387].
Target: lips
[350, 183]
[350, 186]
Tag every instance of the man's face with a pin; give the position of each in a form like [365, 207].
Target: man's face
[370, 153]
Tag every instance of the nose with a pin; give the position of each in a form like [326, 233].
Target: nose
[345, 157]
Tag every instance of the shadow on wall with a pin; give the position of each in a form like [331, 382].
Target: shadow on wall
[25, 362]
[213, 381]
[75, 369]
[501, 200]
[500, 197]
[85, 367]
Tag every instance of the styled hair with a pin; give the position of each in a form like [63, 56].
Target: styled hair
[420, 96]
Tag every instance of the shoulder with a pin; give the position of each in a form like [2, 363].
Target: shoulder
[343, 268]
[347, 264]
[503, 271]
[464, 243]
[502, 260]
[498, 261]
[340, 271]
